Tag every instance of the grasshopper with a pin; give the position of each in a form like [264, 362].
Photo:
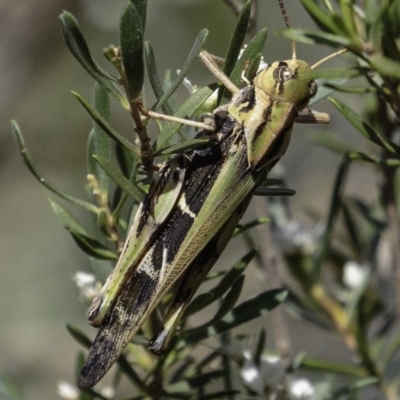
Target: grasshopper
[193, 206]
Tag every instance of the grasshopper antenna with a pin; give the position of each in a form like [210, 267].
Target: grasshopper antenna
[333, 55]
[287, 23]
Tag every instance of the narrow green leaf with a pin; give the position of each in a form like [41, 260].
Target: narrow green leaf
[324, 90]
[127, 161]
[250, 225]
[354, 387]
[205, 299]
[260, 347]
[235, 44]
[204, 379]
[141, 8]
[129, 372]
[313, 37]
[352, 228]
[360, 156]
[364, 127]
[218, 395]
[105, 126]
[208, 359]
[92, 247]
[330, 142]
[79, 336]
[263, 191]
[323, 20]
[154, 76]
[385, 66]
[115, 174]
[192, 57]
[66, 219]
[351, 89]
[337, 73]
[9, 389]
[19, 141]
[244, 312]
[186, 110]
[229, 300]
[252, 50]
[214, 274]
[332, 367]
[78, 47]
[237, 38]
[333, 212]
[131, 36]
[186, 146]
[99, 142]
[392, 348]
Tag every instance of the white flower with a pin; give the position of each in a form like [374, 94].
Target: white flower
[354, 274]
[250, 374]
[272, 370]
[301, 389]
[67, 391]
[108, 391]
[293, 237]
[187, 83]
[87, 285]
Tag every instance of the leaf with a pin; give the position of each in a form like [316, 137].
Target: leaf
[79, 336]
[250, 225]
[330, 142]
[332, 367]
[105, 126]
[99, 142]
[254, 48]
[364, 128]
[115, 174]
[218, 395]
[192, 57]
[324, 90]
[244, 312]
[141, 8]
[19, 141]
[131, 36]
[385, 66]
[229, 300]
[154, 76]
[92, 247]
[235, 44]
[354, 387]
[323, 20]
[186, 110]
[237, 38]
[205, 299]
[360, 156]
[77, 45]
[312, 37]
[66, 219]
[186, 146]
[261, 342]
[263, 191]
[9, 390]
[335, 204]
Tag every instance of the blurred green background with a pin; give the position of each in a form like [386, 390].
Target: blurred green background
[38, 257]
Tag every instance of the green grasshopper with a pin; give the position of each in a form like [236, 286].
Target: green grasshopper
[193, 206]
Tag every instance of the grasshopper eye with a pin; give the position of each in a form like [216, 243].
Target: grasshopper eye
[313, 87]
[283, 73]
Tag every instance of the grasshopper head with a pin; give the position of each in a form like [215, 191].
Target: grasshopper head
[287, 81]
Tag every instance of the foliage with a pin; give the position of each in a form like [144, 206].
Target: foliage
[357, 309]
